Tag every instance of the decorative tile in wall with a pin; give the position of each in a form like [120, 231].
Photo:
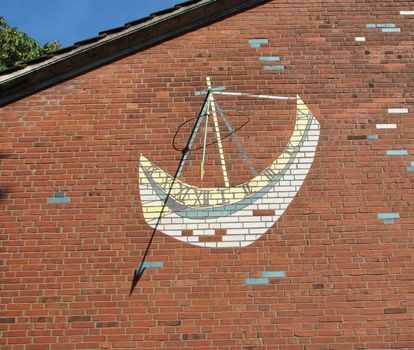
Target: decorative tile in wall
[229, 216]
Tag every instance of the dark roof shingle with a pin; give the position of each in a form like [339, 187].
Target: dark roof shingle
[113, 44]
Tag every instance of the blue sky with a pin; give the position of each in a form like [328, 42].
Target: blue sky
[69, 21]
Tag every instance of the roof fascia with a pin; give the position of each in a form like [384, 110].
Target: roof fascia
[110, 48]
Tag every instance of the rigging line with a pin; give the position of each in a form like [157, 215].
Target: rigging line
[268, 97]
[209, 144]
[236, 139]
[185, 151]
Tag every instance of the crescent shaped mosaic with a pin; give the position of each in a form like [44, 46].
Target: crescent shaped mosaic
[229, 216]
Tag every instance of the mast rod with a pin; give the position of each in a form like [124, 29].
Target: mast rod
[204, 146]
[268, 97]
[218, 136]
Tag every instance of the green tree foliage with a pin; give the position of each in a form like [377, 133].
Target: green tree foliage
[17, 47]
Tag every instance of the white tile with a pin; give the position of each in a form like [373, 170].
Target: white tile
[386, 126]
[397, 110]
[177, 227]
[253, 225]
[407, 13]
[210, 244]
[228, 244]
[229, 238]
[245, 212]
[229, 219]
[252, 238]
[313, 138]
[171, 232]
[234, 225]
[360, 38]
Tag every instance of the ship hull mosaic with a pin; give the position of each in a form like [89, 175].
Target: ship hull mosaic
[230, 216]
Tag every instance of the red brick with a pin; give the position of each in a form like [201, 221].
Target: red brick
[210, 238]
[67, 269]
[263, 212]
[187, 233]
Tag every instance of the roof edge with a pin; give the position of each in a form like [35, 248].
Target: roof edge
[134, 38]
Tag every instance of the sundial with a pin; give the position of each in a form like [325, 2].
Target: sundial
[227, 216]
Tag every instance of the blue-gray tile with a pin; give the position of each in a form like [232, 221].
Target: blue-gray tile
[391, 30]
[256, 281]
[153, 264]
[256, 43]
[269, 58]
[278, 67]
[58, 200]
[386, 216]
[400, 152]
[274, 274]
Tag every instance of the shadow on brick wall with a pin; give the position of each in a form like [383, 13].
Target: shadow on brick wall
[3, 193]
[4, 156]
[3, 190]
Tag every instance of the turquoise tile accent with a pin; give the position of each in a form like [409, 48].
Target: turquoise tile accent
[391, 30]
[274, 274]
[410, 169]
[386, 216]
[389, 222]
[256, 281]
[383, 25]
[153, 264]
[279, 67]
[58, 200]
[150, 265]
[269, 58]
[373, 137]
[401, 152]
[216, 213]
[256, 43]
[412, 163]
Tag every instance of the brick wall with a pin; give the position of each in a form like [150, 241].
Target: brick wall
[334, 272]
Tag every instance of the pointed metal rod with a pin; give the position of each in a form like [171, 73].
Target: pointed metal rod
[138, 274]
